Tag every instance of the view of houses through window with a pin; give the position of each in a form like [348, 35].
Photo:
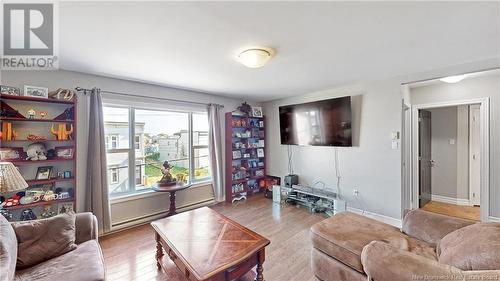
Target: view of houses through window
[181, 138]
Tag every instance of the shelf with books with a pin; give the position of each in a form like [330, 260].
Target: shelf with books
[245, 155]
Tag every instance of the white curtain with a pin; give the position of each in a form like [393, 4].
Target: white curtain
[97, 194]
[215, 150]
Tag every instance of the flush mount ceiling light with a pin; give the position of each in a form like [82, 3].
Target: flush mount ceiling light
[255, 57]
[453, 79]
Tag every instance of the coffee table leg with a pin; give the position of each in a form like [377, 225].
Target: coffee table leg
[260, 270]
[159, 252]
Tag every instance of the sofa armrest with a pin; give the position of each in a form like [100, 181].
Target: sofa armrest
[86, 227]
[382, 262]
[431, 227]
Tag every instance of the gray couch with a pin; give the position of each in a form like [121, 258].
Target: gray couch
[350, 247]
[85, 263]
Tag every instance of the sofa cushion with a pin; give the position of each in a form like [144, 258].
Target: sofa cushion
[431, 227]
[327, 269]
[344, 236]
[83, 264]
[8, 250]
[41, 240]
[475, 247]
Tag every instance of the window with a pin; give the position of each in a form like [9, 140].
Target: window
[200, 146]
[115, 176]
[138, 173]
[137, 142]
[111, 141]
[181, 138]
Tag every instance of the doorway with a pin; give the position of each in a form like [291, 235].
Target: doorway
[449, 160]
[470, 93]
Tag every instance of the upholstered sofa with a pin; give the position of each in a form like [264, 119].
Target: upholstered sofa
[82, 259]
[350, 247]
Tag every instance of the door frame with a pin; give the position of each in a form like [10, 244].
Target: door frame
[471, 170]
[485, 150]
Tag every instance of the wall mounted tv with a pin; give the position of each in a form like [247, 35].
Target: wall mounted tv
[319, 123]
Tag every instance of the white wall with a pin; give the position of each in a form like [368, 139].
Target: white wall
[470, 88]
[122, 211]
[370, 166]
[444, 151]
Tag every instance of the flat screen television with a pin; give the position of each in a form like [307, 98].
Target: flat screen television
[319, 123]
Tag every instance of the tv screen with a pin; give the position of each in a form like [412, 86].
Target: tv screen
[321, 123]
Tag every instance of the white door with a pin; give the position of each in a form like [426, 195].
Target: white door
[474, 155]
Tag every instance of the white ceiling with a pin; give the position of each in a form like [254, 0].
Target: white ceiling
[319, 45]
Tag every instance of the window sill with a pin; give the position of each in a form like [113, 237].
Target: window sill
[150, 193]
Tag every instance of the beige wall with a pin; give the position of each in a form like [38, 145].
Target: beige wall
[142, 207]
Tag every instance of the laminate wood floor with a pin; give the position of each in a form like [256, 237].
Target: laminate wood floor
[130, 254]
[465, 212]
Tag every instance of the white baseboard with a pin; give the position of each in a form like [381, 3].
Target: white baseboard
[493, 219]
[381, 218]
[450, 200]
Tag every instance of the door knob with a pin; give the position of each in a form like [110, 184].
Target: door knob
[432, 163]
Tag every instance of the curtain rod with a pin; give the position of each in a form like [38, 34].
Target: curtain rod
[85, 91]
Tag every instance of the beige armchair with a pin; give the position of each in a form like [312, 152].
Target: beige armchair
[84, 263]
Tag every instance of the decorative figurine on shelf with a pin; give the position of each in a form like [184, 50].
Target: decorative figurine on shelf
[49, 195]
[245, 108]
[31, 113]
[27, 215]
[32, 137]
[47, 212]
[6, 213]
[167, 178]
[36, 151]
[62, 133]
[69, 113]
[43, 114]
[6, 112]
[13, 201]
[7, 132]
[62, 94]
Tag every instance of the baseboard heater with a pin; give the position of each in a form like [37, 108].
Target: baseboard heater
[156, 215]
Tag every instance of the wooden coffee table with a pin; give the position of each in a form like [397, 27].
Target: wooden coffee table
[205, 245]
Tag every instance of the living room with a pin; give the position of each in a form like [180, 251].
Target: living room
[250, 140]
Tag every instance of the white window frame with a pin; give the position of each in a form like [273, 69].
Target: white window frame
[132, 151]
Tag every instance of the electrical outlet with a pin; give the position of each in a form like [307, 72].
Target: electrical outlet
[356, 192]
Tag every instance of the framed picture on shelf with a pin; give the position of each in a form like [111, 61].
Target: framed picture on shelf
[260, 152]
[36, 92]
[43, 173]
[64, 207]
[257, 111]
[236, 154]
[8, 90]
[64, 152]
[11, 153]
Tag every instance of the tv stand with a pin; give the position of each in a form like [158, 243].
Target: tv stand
[315, 199]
